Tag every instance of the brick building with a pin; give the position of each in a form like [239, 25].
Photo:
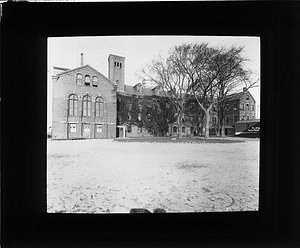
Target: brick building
[84, 104]
[237, 107]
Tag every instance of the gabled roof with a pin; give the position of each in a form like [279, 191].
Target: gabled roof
[145, 91]
[82, 67]
[236, 96]
[60, 68]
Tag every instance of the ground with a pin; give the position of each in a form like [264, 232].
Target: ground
[107, 176]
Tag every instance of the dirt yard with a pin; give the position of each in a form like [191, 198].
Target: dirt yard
[106, 176]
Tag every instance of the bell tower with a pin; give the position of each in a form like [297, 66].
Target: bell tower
[116, 70]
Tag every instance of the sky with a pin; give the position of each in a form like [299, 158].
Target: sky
[138, 51]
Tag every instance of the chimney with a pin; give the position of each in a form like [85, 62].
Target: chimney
[81, 59]
[244, 89]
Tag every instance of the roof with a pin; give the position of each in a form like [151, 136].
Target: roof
[236, 96]
[145, 91]
[60, 68]
[116, 56]
[248, 121]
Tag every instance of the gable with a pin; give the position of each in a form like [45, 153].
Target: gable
[86, 70]
[247, 94]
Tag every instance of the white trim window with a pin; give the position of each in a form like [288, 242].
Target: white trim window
[87, 80]
[95, 81]
[73, 105]
[73, 127]
[99, 128]
[86, 105]
[99, 106]
[79, 79]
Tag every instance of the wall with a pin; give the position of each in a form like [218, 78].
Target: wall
[63, 86]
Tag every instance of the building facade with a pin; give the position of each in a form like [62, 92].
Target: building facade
[84, 104]
[87, 105]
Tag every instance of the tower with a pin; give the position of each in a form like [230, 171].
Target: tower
[116, 70]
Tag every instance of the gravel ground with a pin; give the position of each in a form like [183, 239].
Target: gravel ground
[105, 176]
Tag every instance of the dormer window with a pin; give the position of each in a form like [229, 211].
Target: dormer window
[95, 81]
[87, 80]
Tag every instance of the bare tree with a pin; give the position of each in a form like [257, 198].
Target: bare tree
[214, 74]
[168, 75]
[208, 74]
[232, 78]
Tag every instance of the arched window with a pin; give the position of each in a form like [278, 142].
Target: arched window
[86, 105]
[95, 81]
[79, 79]
[99, 107]
[73, 105]
[87, 80]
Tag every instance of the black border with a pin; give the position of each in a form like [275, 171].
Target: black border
[24, 31]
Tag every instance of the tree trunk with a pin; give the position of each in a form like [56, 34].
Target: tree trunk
[179, 124]
[207, 124]
[222, 131]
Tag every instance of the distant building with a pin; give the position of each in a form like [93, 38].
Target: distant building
[238, 107]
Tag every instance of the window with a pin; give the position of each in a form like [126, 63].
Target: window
[120, 65]
[95, 81]
[115, 64]
[235, 118]
[183, 129]
[87, 80]
[99, 106]
[234, 106]
[117, 81]
[252, 117]
[86, 128]
[242, 117]
[248, 117]
[175, 129]
[79, 79]
[242, 106]
[73, 127]
[247, 106]
[73, 105]
[214, 120]
[227, 119]
[86, 105]
[252, 107]
[99, 128]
